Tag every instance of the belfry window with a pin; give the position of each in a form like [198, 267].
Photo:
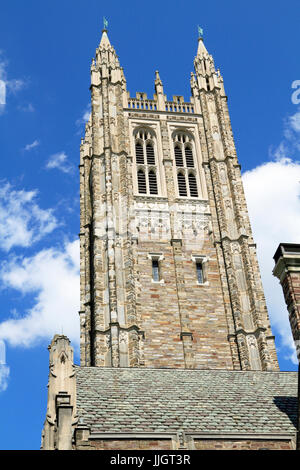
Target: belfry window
[146, 162]
[185, 165]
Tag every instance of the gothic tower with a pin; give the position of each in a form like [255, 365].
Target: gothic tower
[169, 273]
[176, 345]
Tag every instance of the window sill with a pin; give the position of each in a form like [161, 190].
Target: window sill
[206, 283]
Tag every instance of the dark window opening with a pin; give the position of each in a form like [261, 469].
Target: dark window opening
[155, 270]
[199, 269]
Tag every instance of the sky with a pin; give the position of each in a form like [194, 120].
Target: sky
[46, 50]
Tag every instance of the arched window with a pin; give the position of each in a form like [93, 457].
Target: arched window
[146, 162]
[184, 159]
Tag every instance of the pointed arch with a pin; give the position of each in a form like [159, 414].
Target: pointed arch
[184, 159]
[146, 161]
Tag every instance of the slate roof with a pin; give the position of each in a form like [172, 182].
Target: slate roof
[166, 400]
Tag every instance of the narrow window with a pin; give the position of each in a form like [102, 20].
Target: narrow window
[181, 184]
[199, 269]
[139, 153]
[155, 270]
[152, 182]
[150, 154]
[189, 157]
[178, 156]
[207, 84]
[193, 185]
[142, 182]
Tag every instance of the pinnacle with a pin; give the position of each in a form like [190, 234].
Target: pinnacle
[104, 39]
[157, 78]
[201, 48]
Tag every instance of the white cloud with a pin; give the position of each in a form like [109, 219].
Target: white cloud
[60, 161]
[34, 144]
[52, 275]
[22, 221]
[273, 197]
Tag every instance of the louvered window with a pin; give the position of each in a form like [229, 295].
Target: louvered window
[181, 184]
[142, 182]
[184, 159]
[178, 156]
[150, 154]
[189, 157]
[139, 153]
[193, 185]
[152, 182]
[146, 164]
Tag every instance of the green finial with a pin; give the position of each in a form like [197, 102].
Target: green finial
[105, 23]
[200, 32]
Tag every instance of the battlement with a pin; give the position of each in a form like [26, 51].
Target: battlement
[178, 105]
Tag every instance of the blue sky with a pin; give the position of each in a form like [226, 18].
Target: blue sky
[45, 54]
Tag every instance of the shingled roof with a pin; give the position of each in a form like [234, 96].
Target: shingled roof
[166, 400]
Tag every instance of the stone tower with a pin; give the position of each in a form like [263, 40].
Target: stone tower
[169, 273]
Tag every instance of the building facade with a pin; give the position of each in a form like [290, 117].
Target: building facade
[171, 295]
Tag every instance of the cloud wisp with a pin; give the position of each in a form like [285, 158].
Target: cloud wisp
[22, 221]
[60, 162]
[29, 147]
